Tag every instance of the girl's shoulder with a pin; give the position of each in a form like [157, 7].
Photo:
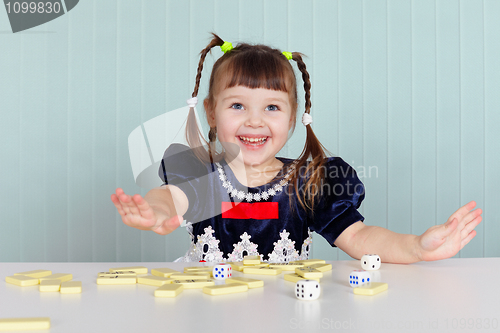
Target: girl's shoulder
[182, 160]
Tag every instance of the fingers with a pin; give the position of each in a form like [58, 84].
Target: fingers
[470, 226]
[463, 211]
[134, 210]
[467, 239]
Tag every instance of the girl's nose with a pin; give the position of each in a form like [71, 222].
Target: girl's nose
[254, 119]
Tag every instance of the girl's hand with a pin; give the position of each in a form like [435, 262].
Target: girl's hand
[445, 240]
[137, 213]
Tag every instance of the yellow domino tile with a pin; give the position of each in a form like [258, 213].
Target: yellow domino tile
[286, 266]
[169, 290]
[321, 267]
[124, 273]
[164, 272]
[152, 280]
[39, 273]
[190, 276]
[22, 280]
[371, 288]
[195, 284]
[18, 324]
[251, 283]
[50, 285]
[261, 270]
[71, 287]
[262, 264]
[136, 269]
[308, 272]
[251, 260]
[223, 289]
[195, 269]
[308, 262]
[237, 266]
[106, 280]
[59, 276]
[295, 277]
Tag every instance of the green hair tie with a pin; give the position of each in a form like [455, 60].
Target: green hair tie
[288, 55]
[226, 47]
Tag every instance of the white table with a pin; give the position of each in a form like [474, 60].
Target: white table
[454, 295]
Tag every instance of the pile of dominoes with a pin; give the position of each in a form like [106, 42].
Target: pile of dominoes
[213, 280]
[48, 282]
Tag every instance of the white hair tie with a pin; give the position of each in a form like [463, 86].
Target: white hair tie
[192, 102]
[306, 119]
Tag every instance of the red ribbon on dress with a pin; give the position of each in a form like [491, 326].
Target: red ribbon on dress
[246, 210]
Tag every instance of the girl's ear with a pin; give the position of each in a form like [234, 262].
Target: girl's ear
[210, 112]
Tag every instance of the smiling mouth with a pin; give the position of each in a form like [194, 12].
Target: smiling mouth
[253, 141]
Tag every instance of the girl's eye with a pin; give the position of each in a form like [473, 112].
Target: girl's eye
[272, 108]
[237, 106]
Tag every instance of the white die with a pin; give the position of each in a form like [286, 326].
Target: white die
[370, 262]
[359, 277]
[222, 271]
[307, 290]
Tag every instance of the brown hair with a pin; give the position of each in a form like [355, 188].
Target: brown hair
[259, 66]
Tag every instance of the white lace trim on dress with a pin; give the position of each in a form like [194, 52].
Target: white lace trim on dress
[207, 248]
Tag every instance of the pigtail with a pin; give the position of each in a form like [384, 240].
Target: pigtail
[312, 149]
[194, 137]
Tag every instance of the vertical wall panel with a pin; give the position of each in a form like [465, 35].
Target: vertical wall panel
[324, 98]
[80, 127]
[250, 20]
[32, 138]
[350, 86]
[104, 143]
[152, 97]
[275, 23]
[179, 76]
[399, 115]
[10, 195]
[448, 108]
[404, 90]
[491, 222]
[58, 137]
[375, 125]
[129, 81]
[472, 112]
[423, 116]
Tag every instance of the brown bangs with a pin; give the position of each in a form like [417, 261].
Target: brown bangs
[255, 66]
[258, 70]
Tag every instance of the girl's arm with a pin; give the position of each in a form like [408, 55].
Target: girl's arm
[160, 210]
[438, 242]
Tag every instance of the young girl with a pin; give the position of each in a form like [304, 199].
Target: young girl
[246, 201]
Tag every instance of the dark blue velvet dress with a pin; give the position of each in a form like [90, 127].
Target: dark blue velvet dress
[282, 230]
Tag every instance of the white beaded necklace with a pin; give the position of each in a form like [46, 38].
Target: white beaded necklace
[253, 196]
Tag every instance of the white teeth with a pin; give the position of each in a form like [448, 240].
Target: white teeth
[253, 140]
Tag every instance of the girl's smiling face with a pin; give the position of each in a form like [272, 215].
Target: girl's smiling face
[255, 120]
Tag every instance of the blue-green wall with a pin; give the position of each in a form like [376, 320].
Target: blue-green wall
[405, 91]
